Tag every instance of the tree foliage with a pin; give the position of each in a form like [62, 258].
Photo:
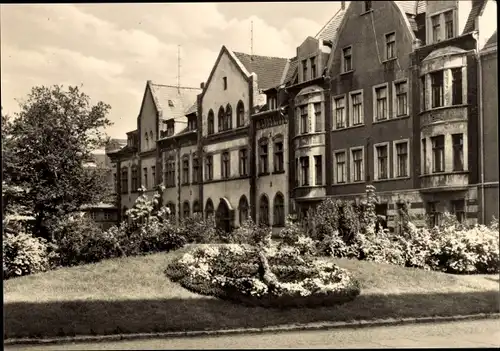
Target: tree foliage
[46, 148]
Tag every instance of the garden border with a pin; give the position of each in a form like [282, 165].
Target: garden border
[274, 329]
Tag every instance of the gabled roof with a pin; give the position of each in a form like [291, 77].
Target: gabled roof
[476, 10]
[330, 29]
[492, 41]
[269, 69]
[172, 101]
[292, 69]
[192, 109]
[412, 7]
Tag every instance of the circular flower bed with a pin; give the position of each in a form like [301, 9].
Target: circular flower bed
[234, 272]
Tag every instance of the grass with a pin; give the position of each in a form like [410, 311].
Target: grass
[133, 295]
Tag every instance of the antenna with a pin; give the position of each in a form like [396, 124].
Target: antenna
[178, 66]
[251, 40]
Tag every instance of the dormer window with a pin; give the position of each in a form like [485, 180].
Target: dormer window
[304, 70]
[170, 129]
[170, 103]
[313, 67]
[272, 103]
[367, 6]
[224, 83]
[191, 123]
[448, 23]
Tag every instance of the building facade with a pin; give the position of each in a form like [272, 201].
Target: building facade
[390, 93]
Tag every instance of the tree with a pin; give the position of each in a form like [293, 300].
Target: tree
[46, 148]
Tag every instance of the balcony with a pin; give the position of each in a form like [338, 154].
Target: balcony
[443, 114]
[309, 192]
[307, 140]
[444, 181]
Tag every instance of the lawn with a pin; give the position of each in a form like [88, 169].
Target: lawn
[133, 295]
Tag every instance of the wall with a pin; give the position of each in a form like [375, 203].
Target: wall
[189, 192]
[148, 120]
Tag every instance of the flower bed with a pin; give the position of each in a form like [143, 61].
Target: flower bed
[232, 272]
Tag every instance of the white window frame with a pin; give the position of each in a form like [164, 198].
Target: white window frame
[395, 158]
[351, 164]
[395, 98]
[346, 165]
[374, 94]
[334, 112]
[395, 46]
[375, 160]
[351, 110]
[343, 59]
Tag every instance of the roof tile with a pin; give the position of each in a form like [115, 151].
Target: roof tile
[269, 70]
[330, 29]
[173, 101]
[477, 7]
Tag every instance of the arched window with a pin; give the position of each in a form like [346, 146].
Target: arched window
[210, 122]
[220, 119]
[264, 210]
[185, 209]
[209, 208]
[229, 118]
[279, 210]
[146, 140]
[243, 209]
[240, 114]
[171, 207]
[151, 138]
[196, 207]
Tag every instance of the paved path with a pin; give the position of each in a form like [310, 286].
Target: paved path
[483, 333]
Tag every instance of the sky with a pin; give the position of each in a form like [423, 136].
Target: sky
[111, 50]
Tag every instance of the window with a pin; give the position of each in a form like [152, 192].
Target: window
[240, 114]
[278, 156]
[304, 123]
[107, 216]
[390, 46]
[318, 168]
[424, 93]
[185, 170]
[279, 210]
[152, 139]
[209, 167]
[93, 215]
[367, 6]
[196, 207]
[458, 151]
[243, 162]
[243, 209]
[304, 70]
[296, 172]
[458, 208]
[135, 179]
[436, 28]
[438, 153]
[263, 156]
[153, 175]
[115, 183]
[124, 180]
[381, 213]
[437, 89]
[357, 108]
[171, 207]
[225, 165]
[210, 122]
[145, 171]
[170, 103]
[224, 82]
[192, 123]
[221, 118]
[318, 118]
[196, 169]
[209, 208]
[146, 140]
[448, 24]
[264, 210]
[340, 167]
[401, 92]
[313, 67]
[340, 112]
[170, 173]
[228, 121]
[434, 214]
[424, 156]
[401, 159]
[272, 103]
[381, 112]
[382, 170]
[357, 165]
[347, 61]
[304, 165]
[456, 86]
[170, 129]
[185, 209]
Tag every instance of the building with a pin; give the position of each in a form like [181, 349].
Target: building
[388, 93]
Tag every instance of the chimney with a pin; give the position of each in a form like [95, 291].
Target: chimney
[342, 5]
[202, 85]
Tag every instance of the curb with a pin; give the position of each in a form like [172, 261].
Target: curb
[276, 329]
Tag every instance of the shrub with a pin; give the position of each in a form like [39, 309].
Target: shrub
[25, 254]
[197, 229]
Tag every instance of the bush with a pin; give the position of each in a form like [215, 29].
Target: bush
[233, 272]
[25, 254]
[197, 229]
